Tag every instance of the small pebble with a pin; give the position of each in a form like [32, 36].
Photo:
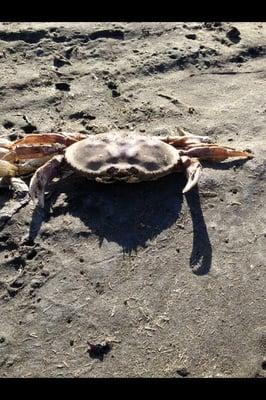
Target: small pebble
[233, 34]
[192, 36]
[35, 283]
[112, 85]
[8, 124]
[13, 136]
[182, 372]
[45, 272]
[115, 93]
[62, 86]
[31, 254]
[12, 291]
[39, 52]
[99, 350]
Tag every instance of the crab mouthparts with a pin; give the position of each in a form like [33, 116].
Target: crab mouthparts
[121, 173]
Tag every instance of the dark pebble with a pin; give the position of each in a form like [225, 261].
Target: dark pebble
[39, 52]
[62, 86]
[237, 59]
[234, 35]
[12, 291]
[98, 350]
[8, 124]
[13, 136]
[82, 114]
[112, 85]
[59, 62]
[173, 56]
[29, 128]
[182, 372]
[192, 36]
[115, 93]
[31, 254]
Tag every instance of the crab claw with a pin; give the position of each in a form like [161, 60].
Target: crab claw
[214, 152]
[7, 168]
[193, 171]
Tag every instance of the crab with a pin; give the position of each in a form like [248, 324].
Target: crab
[113, 156]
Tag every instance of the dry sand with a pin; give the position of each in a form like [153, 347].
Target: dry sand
[175, 284]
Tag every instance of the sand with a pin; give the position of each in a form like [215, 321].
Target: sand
[159, 283]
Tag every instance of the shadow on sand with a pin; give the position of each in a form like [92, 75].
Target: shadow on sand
[129, 215]
[201, 255]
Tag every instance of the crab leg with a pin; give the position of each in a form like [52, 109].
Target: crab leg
[46, 138]
[214, 152]
[193, 171]
[185, 141]
[43, 176]
[202, 147]
[8, 169]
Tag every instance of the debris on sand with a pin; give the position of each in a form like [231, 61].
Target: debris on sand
[99, 350]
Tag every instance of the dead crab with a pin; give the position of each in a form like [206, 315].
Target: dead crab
[109, 157]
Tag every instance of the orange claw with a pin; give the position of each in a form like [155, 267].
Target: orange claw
[40, 145]
[214, 152]
[48, 138]
[26, 152]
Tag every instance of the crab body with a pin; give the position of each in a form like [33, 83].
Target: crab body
[130, 158]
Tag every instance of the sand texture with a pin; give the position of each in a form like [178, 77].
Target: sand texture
[159, 283]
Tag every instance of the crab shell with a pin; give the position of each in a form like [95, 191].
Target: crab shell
[122, 157]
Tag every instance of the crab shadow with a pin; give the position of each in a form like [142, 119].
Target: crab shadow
[223, 166]
[128, 214]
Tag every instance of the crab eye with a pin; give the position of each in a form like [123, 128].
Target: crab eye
[133, 170]
[111, 170]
